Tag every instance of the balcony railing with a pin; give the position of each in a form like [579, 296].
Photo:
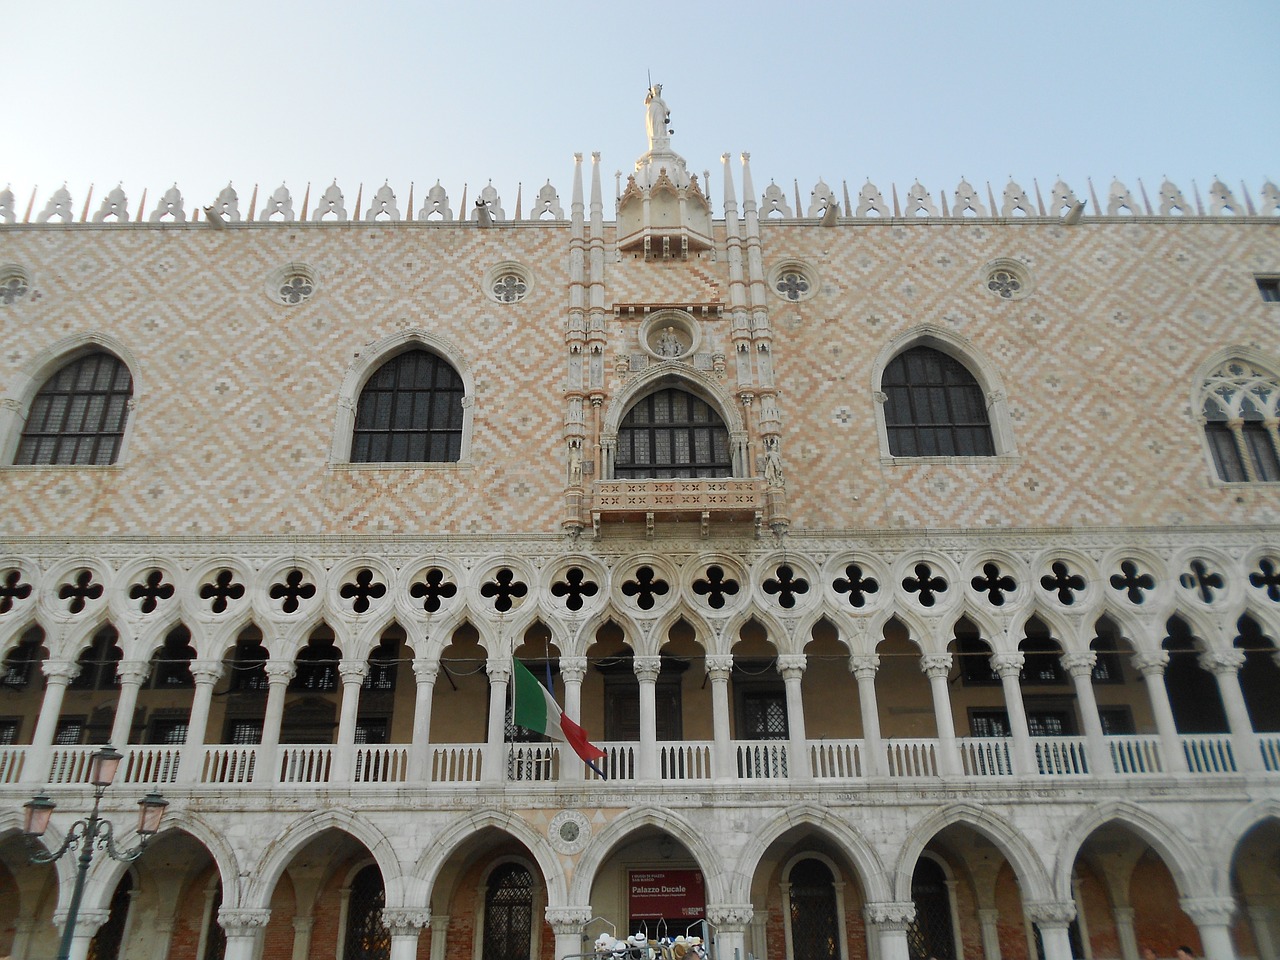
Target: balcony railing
[725, 498]
[682, 762]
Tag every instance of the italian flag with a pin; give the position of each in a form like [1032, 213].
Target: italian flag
[535, 709]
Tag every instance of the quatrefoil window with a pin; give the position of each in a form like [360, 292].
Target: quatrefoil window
[363, 590]
[292, 284]
[715, 586]
[792, 280]
[786, 585]
[292, 591]
[12, 589]
[151, 591]
[857, 586]
[504, 590]
[296, 289]
[994, 584]
[221, 591]
[14, 285]
[1008, 279]
[1203, 581]
[1132, 582]
[1063, 582]
[792, 285]
[646, 588]
[925, 585]
[1267, 578]
[510, 288]
[80, 591]
[432, 590]
[574, 588]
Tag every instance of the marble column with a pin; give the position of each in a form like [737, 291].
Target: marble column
[1008, 666]
[439, 937]
[1225, 666]
[1053, 918]
[890, 920]
[1125, 933]
[424, 680]
[244, 929]
[791, 666]
[722, 761]
[302, 927]
[495, 749]
[1151, 665]
[989, 919]
[1080, 667]
[646, 671]
[937, 667]
[1259, 922]
[1212, 917]
[279, 673]
[572, 671]
[206, 674]
[87, 924]
[864, 667]
[405, 924]
[132, 674]
[568, 923]
[352, 673]
[58, 673]
[730, 922]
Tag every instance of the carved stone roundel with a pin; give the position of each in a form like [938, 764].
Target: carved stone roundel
[569, 831]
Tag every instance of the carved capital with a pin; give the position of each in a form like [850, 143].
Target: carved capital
[573, 669]
[730, 917]
[719, 666]
[791, 665]
[279, 671]
[1051, 913]
[425, 671]
[60, 671]
[498, 670]
[647, 668]
[936, 665]
[1007, 664]
[206, 672]
[565, 920]
[1222, 661]
[1152, 662]
[242, 922]
[988, 916]
[406, 921]
[353, 671]
[87, 921]
[864, 665]
[891, 915]
[1209, 911]
[1080, 664]
[133, 672]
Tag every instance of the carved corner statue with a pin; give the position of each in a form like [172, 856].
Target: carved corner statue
[657, 116]
[773, 465]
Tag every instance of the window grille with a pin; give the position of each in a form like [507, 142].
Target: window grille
[669, 434]
[215, 940]
[508, 914]
[245, 731]
[930, 934]
[815, 932]
[934, 407]
[367, 938]
[9, 731]
[78, 416]
[410, 411]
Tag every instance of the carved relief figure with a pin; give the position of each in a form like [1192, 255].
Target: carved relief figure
[773, 464]
[669, 344]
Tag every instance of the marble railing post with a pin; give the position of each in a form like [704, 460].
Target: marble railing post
[890, 920]
[1008, 666]
[730, 922]
[791, 666]
[279, 673]
[989, 919]
[495, 748]
[864, 667]
[572, 671]
[353, 673]
[937, 667]
[1151, 666]
[567, 924]
[132, 674]
[1125, 933]
[424, 680]
[722, 762]
[58, 673]
[406, 925]
[1225, 666]
[1212, 917]
[244, 929]
[646, 671]
[206, 674]
[1080, 667]
[1053, 919]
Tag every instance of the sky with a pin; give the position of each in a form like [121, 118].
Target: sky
[147, 94]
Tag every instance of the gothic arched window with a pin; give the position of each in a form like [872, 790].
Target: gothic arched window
[410, 411]
[815, 927]
[934, 407]
[508, 914]
[78, 416]
[1240, 415]
[930, 934]
[672, 433]
[367, 938]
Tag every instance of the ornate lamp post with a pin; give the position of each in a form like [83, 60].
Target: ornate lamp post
[89, 833]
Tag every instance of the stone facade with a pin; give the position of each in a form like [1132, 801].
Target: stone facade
[903, 706]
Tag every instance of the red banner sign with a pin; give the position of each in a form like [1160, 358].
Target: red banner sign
[669, 894]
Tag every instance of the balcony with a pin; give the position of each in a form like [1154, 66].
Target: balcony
[686, 763]
[681, 500]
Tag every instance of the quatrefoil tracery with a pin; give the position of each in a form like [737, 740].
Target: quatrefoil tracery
[221, 591]
[433, 590]
[362, 591]
[786, 585]
[716, 587]
[574, 588]
[504, 590]
[151, 591]
[646, 588]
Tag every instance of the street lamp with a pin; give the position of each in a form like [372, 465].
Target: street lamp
[89, 833]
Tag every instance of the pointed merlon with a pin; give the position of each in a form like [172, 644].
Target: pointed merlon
[409, 215]
[942, 197]
[519, 196]
[359, 197]
[306, 201]
[796, 183]
[253, 202]
[897, 212]
[1099, 210]
[84, 214]
[142, 206]
[1146, 201]
[848, 208]
[463, 214]
[30, 204]
[1248, 200]
[991, 197]
[1195, 188]
[1039, 199]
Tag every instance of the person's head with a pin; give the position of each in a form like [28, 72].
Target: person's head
[1148, 954]
[1186, 953]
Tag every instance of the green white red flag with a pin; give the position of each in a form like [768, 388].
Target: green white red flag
[536, 709]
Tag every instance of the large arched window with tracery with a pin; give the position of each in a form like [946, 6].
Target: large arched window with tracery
[410, 411]
[78, 416]
[1239, 407]
[934, 407]
[672, 433]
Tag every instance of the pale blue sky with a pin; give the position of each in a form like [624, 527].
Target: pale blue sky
[149, 93]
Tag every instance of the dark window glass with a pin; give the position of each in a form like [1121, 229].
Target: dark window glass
[9, 731]
[815, 930]
[22, 662]
[762, 714]
[1041, 662]
[98, 663]
[975, 663]
[508, 914]
[1269, 287]
[168, 731]
[369, 730]
[173, 662]
[249, 666]
[70, 732]
[672, 433]
[1262, 450]
[1116, 721]
[367, 937]
[934, 407]
[410, 411]
[78, 416]
[316, 667]
[989, 723]
[930, 934]
[244, 731]
[1226, 455]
